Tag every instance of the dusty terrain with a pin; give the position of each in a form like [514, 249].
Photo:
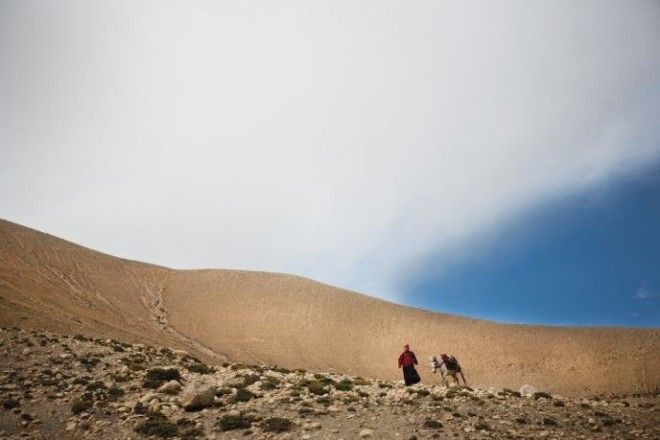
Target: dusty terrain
[74, 387]
[48, 284]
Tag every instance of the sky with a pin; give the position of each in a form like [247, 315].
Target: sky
[386, 147]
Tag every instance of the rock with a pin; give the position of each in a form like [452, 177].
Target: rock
[196, 401]
[71, 426]
[26, 351]
[527, 390]
[149, 397]
[366, 433]
[171, 387]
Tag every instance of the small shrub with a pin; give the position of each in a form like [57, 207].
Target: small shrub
[344, 385]
[327, 400]
[81, 380]
[11, 403]
[281, 370]
[80, 405]
[89, 362]
[120, 377]
[115, 393]
[155, 377]
[361, 381]
[511, 392]
[362, 393]
[549, 422]
[222, 391]
[482, 426]
[250, 379]
[316, 387]
[243, 395]
[325, 380]
[139, 408]
[385, 385]
[542, 394]
[277, 424]
[432, 424]
[98, 385]
[158, 425]
[267, 386]
[423, 393]
[200, 368]
[229, 422]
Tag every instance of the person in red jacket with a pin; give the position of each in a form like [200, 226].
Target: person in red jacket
[407, 361]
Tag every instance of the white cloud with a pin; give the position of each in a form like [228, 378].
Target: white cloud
[344, 141]
[643, 293]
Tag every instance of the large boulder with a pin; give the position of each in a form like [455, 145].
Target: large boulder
[199, 399]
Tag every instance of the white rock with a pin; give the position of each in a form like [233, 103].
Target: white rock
[527, 390]
[171, 387]
[71, 426]
[366, 433]
[149, 397]
[26, 351]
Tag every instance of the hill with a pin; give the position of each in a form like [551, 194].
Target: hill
[49, 284]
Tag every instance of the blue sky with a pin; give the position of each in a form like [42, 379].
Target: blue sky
[589, 259]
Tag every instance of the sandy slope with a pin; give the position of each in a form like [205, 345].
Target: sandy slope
[50, 284]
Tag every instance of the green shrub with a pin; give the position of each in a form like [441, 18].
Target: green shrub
[158, 425]
[155, 377]
[200, 368]
[277, 424]
[317, 387]
[229, 422]
[422, 392]
[134, 362]
[325, 380]
[223, 391]
[542, 394]
[249, 379]
[243, 395]
[281, 370]
[385, 385]
[327, 400]
[344, 385]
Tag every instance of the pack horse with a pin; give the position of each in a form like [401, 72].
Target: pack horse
[448, 366]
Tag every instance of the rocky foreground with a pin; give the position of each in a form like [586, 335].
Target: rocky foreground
[55, 386]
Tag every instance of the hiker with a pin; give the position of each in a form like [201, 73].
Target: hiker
[407, 361]
[448, 366]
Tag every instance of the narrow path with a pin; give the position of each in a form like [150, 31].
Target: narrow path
[155, 303]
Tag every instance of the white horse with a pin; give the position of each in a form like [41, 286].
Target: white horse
[448, 366]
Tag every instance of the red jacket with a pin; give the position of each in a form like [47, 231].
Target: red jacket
[407, 358]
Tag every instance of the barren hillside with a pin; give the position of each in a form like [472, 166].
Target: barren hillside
[49, 284]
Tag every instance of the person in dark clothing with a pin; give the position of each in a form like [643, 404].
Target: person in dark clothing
[407, 361]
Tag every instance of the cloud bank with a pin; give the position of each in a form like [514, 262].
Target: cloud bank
[344, 141]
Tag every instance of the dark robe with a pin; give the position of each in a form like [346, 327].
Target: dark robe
[410, 375]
